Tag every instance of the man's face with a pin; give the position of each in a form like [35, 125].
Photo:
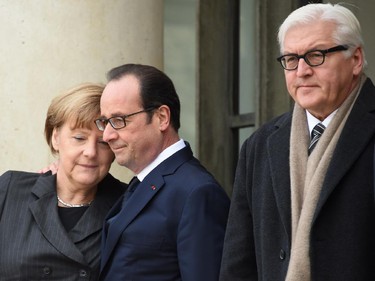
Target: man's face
[138, 143]
[320, 89]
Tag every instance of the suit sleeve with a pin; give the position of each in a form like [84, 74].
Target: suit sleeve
[239, 262]
[201, 233]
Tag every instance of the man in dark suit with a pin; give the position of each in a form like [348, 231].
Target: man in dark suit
[303, 207]
[172, 226]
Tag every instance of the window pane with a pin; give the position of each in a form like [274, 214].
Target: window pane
[247, 56]
[244, 134]
[179, 59]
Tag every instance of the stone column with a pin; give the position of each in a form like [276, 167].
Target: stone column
[50, 46]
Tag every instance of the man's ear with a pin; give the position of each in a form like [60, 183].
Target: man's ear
[164, 117]
[358, 60]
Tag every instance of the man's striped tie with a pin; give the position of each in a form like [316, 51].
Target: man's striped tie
[315, 135]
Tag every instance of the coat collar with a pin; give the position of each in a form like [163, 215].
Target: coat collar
[278, 157]
[356, 135]
[45, 212]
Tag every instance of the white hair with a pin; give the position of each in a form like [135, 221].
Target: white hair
[348, 29]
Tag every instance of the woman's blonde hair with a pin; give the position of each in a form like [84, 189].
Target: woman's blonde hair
[79, 105]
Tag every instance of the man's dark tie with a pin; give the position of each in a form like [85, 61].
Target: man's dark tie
[132, 186]
[315, 135]
[129, 192]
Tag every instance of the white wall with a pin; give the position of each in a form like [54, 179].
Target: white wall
[50, 46]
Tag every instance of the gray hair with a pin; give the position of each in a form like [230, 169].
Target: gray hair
[348, 29]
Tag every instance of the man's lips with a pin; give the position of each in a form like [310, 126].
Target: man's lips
[116, 148]
[305, 86]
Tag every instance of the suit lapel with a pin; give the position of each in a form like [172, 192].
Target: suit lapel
[278, 155]
[44, 211]
[145, 191]
[112, 212]
[356, 135]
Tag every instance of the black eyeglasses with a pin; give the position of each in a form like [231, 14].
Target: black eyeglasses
[312, 58]
[117, 122]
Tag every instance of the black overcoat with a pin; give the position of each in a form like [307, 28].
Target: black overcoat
[342, 247]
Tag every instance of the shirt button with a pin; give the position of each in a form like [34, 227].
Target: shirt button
[282, 254]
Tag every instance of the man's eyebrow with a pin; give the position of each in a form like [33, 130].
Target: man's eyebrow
[315, 48]
[115, 114]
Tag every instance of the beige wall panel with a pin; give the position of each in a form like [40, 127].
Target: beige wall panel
[49, 46]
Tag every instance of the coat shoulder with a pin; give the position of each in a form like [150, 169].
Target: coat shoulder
[270, 127]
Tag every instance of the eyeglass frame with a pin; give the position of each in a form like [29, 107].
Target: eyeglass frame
[105, 121]
[304, 56]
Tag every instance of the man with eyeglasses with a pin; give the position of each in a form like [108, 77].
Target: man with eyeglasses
[303, 203]
[170, 225]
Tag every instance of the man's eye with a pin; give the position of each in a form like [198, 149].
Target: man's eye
[290, 59]
[315, 55]
[117, 121]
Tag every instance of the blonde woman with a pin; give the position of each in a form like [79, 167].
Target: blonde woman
[50, 225]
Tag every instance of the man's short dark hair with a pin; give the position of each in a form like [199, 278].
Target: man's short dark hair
[156, 88]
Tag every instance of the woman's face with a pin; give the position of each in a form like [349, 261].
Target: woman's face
[84, 158]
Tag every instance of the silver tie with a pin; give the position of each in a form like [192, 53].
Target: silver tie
[315, 135]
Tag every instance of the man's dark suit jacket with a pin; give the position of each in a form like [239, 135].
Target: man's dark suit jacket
[342, 239]
[34, 245]
[172, 227]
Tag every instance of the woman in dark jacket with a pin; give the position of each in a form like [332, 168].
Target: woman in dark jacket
[50, 225]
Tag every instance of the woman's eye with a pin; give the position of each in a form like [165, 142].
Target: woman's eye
[79, 138]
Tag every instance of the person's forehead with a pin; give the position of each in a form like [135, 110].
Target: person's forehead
[120, 96]
[307, 36]
[123, 86]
